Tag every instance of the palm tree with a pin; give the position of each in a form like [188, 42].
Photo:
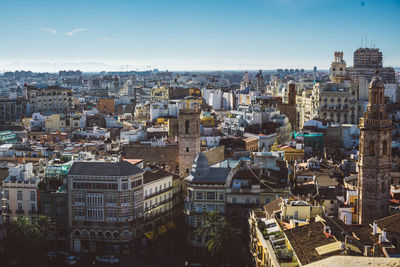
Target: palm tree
[224, 241]
[224, 244]
[211, 220]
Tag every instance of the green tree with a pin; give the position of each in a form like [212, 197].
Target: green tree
[211, 220]
[224, 245]
[223, 241]
[27, 241]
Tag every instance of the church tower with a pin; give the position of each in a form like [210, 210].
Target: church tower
[189, 136]
[338, 68]
[374, 159]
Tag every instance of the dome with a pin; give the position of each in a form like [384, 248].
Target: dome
[200, 166]
[200, 160]
[376, 82]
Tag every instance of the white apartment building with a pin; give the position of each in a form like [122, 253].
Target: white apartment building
[158, 195]
[19, 197]
[105, 203]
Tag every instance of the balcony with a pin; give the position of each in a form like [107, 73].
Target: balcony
[79, 203]
[111, 204]
[158, 204]
[125, 204]
[19, 211]
[33, 212]
[158, 192]
[6, 210]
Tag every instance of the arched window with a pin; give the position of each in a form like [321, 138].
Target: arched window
[384, 147]
[187, 127]
[372, 148]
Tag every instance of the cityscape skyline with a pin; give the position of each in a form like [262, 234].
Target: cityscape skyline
[256, 35]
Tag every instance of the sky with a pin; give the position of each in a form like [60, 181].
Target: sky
[95, 35]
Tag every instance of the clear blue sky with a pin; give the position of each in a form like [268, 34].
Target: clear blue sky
[193, 34]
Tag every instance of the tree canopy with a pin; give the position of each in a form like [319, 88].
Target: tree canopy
[27, 241]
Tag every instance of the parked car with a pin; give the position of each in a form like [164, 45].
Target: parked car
[107, 259]
[72, 260]
[51, 255]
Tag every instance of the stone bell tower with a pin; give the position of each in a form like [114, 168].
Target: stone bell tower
[189, 136]
[375, 157]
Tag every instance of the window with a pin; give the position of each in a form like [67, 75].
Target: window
[210, 208]
[384, 147]
[80, 198]
[136, 183]
[187, 149]
[234, 200]
[33, 195]
[124, 186]
[94, 200]
[19, 207]
[19, 195]
[111, 213]
[187, 170]
[210, 195]
[221, 208]
[110, 199]
[33, 207]
[221, 196]
[199, 208]
[187, 127]
[372, 148]
[80, 212]
[332, 201]
[7, 194]
[199, 195]
[247, 200]
[95, 214]
[125, 199]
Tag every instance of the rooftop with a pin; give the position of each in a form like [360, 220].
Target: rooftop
[102, 168]
[153, 175]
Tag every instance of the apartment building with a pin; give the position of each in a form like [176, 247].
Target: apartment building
[12, 110]
[205, 193]
[105, 205]
[158, 196]
[20, 196]
[49, 100]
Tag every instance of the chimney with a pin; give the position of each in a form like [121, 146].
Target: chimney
[375, 228]
[367, 251]
[384, 235]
